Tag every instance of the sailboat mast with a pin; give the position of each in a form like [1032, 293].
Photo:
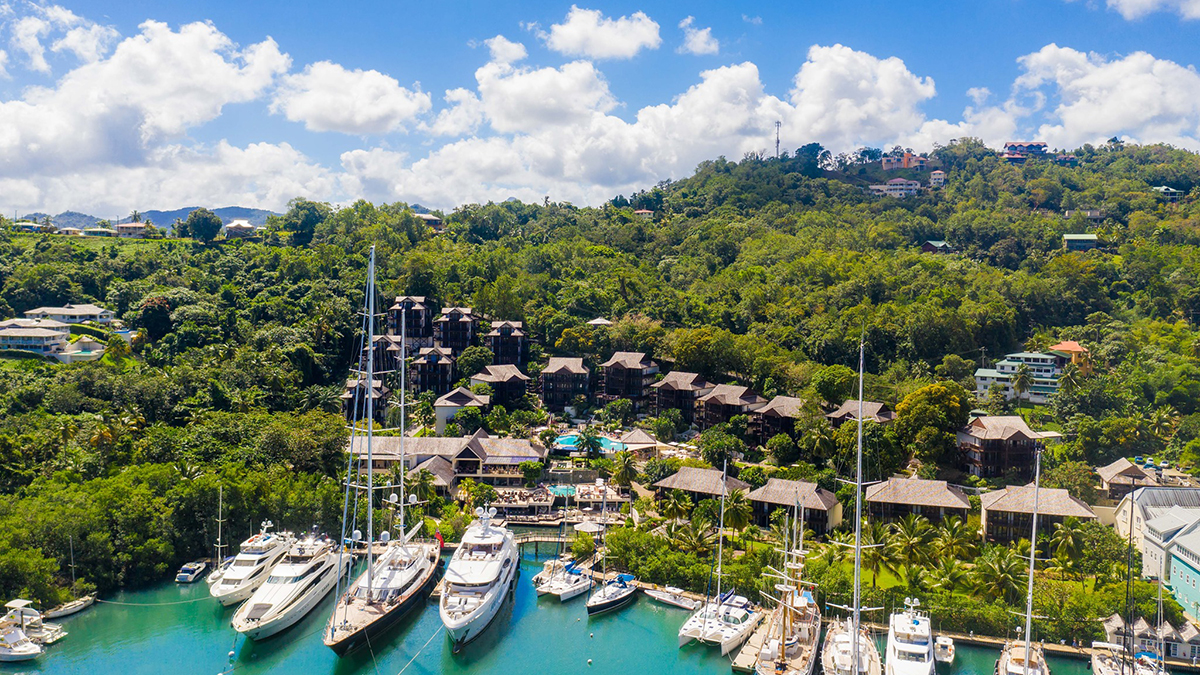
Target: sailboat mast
[720, 528]
[1037, 479]
[220, 522]
[403, 411]
[71, 545]
[858, 519]
[370, 414]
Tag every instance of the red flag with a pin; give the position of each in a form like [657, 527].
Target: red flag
[437, 534]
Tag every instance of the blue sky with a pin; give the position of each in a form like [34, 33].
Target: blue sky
[108, 106]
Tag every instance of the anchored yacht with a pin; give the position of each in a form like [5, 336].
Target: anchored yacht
[250, 568]
[726, 620]
[478, 578]
[16, 646]
[305, 575]
[910, 642]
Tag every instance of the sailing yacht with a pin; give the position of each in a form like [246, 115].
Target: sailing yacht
[1028, 657]
[221, 563]
[72, 606]
[727, 619]
[251, 566]
[790, 646]
[616, 592]
[305, 575]
[570, 583]
[849, 649]
[478, 578]
[910, 642]
[403, 575]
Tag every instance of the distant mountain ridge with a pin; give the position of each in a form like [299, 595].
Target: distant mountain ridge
[162, 219]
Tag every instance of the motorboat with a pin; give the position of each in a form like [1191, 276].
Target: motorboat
[1113, 659]
[478, 579]
[301, 580]
[218, 572]
[190, 572]
[849, 649]
[794, 627]
[672, 596]
[23, 616]
[69, 608]
[726, 621]
[251, 566]
[16, 646]
[572, 582]
[943, 649]
[613, 595]
[910, 642]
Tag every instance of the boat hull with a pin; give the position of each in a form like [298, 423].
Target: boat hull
[465, 632]
[612, 604]
[17, 656]
[242, 593]
[73, 607]
[373, 630]
[673, 600]
[574, 591]
[262, 631]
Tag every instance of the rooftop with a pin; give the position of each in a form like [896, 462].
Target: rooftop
[677, 380]
[1004, 427]
[1126, 470]
[628, 360]
[872, 411]
[1051, 502]
[704, 481]
[500, 374]
[918, 492]
[729, 394]
[565, 364]
[783, 406]
[790, 492]
[463, 398]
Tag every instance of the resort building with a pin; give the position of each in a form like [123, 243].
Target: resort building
[638, 440]
[387, 353]
[1016, 152]
[1170, 510]
[133, 230]
[679, 390]
[433, 370]
[700, 483]
[1168, 194]
[1008, 513]
[48, 324]
[508, 383]
[354, 399]
[937, 179]
[563, 380]
[821, 508]
[896, 187]
[507, 342]
[449, 405]
[1183, 570]
[1080, 242]
[72, 313]
[872, 411]
[455, 328]
[240, 229]
[994, 444]
[898, 497]
[40, 340]
[412, 313]
[1119, 478]
[482, 458]
[1044, 370]
[724, 402]
[628, 375]
[1178, 643]
[777, 417]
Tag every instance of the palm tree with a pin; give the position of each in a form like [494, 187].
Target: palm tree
[878, 556]
[317, 397]
[1022, 381]
[948, 575]
[820, 438]
[913, 577]
[910, 539]
[954, 539]
[1062, 564]
[694, 537]
[624, 468]
[1000, 574]
[676, 506]
[420, 483]
[837, 550]
[589, 441]
[1163, 421]
[1068, 380]
[135, 216]
[1067, 538]
[738, 510]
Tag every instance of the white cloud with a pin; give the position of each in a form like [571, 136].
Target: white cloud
[504, 50]
[697, 40]
[3, 63]
[87, 43]
[752, 20]
[27, 39]
[1136, 9]
[588, 33]
[527, 99]
[464, 115]
[979, 95]
[328, 97]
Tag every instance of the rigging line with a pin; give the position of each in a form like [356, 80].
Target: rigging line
[414, 658]
[151, 604]
[367, 636]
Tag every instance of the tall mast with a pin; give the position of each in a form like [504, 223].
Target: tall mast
[721, 528]
[71, 544]
[220, 521]
[370, 415]
[857, 519]
[403, 411]
[1037, 479]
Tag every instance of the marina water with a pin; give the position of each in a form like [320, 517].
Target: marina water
[162, 632]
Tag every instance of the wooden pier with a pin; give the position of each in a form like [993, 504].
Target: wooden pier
[747, 656]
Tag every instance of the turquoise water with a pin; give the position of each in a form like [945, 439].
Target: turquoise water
[570, 440]
[531, 635]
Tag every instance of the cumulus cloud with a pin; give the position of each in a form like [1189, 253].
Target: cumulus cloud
[504, 50]
[463, 116]
[588, 33]
[328, 97]
[3, 64]
[87, 43]
[697, 40]
[27, 39]
[1136, 9]
[752, 20]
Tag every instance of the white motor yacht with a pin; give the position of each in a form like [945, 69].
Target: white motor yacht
[674, 597]
[251, 567]
[29, 621]
[16, 646]
[727, 621]
[943, 649]
[910, 642]
[190, 572]
[305, 575]
[477, 579]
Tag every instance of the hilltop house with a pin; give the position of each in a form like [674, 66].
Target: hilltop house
[906, 160]
[628, 375]
[83, 349]
[995, 444]
[508, 383]
[48, 324]
[431, 220]
[1044, 370]
[896, 187]
[936, 246]
[821, 508]
[507, 342]
[1080, 242]
[1016, 152]
[449, 405]
[1168, 194]
[40, 340]
[726, 401]
[72, 313]
[777, 417]
[937, 179]
[1119, 478]
[563, 380]
[133, 230]
[455, 329]
[1008, 513]
[1070, 350]
[898, 497]
[239, 229]
[433, 370]
[680, 390]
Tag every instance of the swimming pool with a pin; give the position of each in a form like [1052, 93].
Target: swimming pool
[562, 490]
[606, 443]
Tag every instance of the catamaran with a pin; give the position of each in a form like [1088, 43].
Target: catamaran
[849, 649]
[478, 579]
[301, 580]
[910, 642]
[252, 565]
[727, 619]
[403, 575]
[1028, 657]
[790, 646]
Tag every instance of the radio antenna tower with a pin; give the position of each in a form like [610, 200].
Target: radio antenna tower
[777, 125]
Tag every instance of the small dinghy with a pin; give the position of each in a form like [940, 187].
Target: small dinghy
[674, 597]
